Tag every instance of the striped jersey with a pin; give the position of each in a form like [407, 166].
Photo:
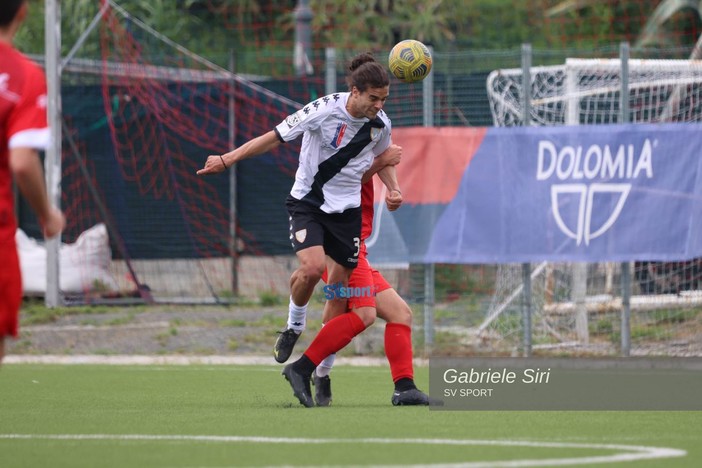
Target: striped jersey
[336, 150]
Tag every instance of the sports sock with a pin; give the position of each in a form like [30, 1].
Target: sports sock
[398, 349]
[325, 367]
[297, 316]
[304, 366]
[404, 384]
[336, 334]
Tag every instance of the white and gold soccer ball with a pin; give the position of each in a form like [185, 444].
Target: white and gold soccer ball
[410, 61]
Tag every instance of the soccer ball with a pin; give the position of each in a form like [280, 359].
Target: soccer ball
[410, 61]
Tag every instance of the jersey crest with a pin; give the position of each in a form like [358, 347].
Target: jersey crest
[4, 88]
[301, 235]
[338, 135]
[292, 120]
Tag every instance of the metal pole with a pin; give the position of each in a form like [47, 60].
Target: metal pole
[428, 97]
[526, 267]
[429, 300]
[626, 271]
[330, 73]
[429, 268]
[526, 309]
[579, 299]
[624, 91]
[303, 38]
[579, 269]
[526, 84]
[234, 240]
[52, 162]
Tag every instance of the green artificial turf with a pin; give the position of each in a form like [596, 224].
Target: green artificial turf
[220, 416]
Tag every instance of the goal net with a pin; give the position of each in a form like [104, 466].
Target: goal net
[580, 304]
[140, 116]
[587, 91]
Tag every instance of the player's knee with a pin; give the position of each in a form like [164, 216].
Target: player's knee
[401, 314]
[367, 315]
[405, 317]
[312, 272]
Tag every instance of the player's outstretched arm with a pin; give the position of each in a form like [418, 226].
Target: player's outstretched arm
[390, 157]
[217, 163]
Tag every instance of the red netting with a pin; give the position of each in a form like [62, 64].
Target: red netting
[141, 121]
[145, 113]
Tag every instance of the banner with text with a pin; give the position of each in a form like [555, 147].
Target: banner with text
[570, 193]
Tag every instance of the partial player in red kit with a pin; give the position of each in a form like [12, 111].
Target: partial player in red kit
[384, 300]
[23, 131]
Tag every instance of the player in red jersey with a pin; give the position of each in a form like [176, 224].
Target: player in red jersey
[388, 304]
[384, 300]
[23, 131]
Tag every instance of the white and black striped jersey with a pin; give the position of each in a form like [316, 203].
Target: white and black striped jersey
[336, 150]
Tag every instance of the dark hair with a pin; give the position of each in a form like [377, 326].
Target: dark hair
[8, 11]
[366, 72]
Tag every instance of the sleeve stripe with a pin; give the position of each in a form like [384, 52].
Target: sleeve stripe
[277, 133]
[37, 138]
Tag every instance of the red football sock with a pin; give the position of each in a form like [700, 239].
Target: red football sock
[334, 335]
[398, 349]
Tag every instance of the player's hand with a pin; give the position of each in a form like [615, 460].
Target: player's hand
[393, 155]
[54, 223]
[214, 165]
[393, 200]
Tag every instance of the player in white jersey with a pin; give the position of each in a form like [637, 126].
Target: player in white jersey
[337, 148]
[342, 134]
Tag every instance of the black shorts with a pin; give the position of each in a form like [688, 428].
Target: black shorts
[338, 233]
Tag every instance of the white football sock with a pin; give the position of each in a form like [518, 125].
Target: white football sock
[325, 367]
[297, 316]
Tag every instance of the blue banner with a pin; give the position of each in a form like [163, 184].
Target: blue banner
[572, 193]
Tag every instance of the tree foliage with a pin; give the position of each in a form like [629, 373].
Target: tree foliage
[211, 27]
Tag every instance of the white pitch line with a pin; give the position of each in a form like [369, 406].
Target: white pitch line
[178, 360]
[633, 452]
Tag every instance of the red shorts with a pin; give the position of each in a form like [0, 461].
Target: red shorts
[10, 290]
[364, 278]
